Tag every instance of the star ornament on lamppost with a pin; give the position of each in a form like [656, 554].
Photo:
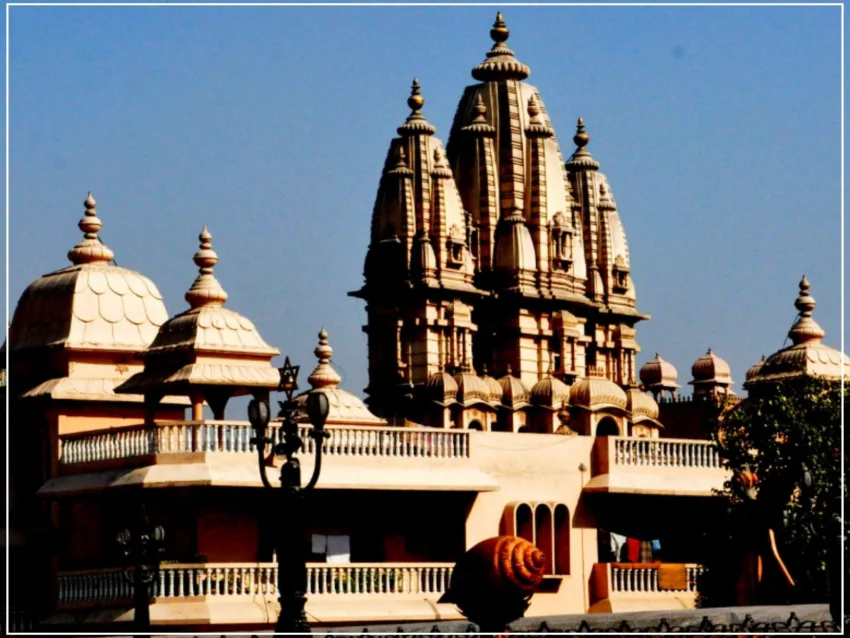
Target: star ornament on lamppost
[291, 528]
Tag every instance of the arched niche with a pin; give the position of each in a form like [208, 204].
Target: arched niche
[562, 539]
[543, 540]
[607, 426]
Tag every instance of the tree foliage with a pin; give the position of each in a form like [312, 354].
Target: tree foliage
[781, 432]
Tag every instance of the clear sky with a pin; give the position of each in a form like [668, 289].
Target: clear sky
[719, 130]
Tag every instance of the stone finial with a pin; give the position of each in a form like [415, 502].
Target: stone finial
[205, 290]
[533, 108]
[415, 101]
[324, 376]
[500, 63]
[90, 250]
[500, 31]
[581, 138]
[581, 160]
[805, 329]
[416, 124]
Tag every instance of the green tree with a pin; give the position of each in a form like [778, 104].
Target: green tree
[781, 432]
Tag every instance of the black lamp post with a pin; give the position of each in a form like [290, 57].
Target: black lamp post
[289, 535]
[141, 546]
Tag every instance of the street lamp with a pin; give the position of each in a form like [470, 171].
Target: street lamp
[141, 547]
[290, 528]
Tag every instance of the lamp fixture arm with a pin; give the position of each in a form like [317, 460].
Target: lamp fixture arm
[260, 442]
[318, 436]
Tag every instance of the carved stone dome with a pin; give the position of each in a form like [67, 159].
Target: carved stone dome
[658, 373]
[207, 345]
[493, 387]
[641, 406]
[515, 394]
[597, 392]
[442, 388]
[755, 369]
[808, 355]
[470, 387]
[710, 368]
[91, 305]
[550, 392]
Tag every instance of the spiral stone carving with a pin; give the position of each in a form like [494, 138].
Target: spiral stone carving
[493, 582]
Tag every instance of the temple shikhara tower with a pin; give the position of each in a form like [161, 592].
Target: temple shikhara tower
[495, 258]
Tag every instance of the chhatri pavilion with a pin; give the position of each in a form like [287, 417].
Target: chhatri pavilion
[503, 398]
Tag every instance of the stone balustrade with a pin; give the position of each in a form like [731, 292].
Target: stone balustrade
[679, 453]
[429, 580]
[643, 578]
[235, 437]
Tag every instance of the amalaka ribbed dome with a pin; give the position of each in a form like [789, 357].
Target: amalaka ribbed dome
[470, 387]
[641, 406]
[710, 368]
[658, 373]
[550, 392]
[500, 63]
[597, 392]
[345, 408]
[808, 355]
[92, 305]
[207, 344]
[515, 394]
[442, 388]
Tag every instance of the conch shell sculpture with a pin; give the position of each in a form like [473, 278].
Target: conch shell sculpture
[492, 583]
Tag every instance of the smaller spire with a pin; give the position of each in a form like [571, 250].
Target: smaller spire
[536, 127]
[416, 124]
[508, 371]
[441, 169]
[582, 160]
[479, 124]
[205, 290]
[324, 376]
[90, 250]
[401, 168]
[805, 329]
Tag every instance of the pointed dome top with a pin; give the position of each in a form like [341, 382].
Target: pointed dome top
[416, 124]
[324, 376]
[756, 368]
[90, 250]
[807, 356]
[582, 160]
[344, 407]
[205, 290]
[710, 368]
[805, 329]
[500, 63]
[90, 305]
[658, 373]
[492, 385]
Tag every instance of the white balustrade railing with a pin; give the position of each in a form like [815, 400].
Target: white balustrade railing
[644, 578]
[185, 581]
[665, 453]
[235, 437]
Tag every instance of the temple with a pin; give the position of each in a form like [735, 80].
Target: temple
[503, 399]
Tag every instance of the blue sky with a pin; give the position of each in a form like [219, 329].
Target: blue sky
[719, 130]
